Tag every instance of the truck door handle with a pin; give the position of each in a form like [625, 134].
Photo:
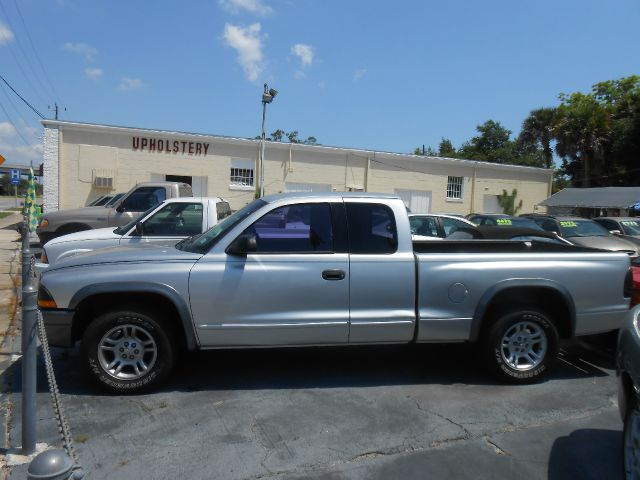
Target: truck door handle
[333, 275]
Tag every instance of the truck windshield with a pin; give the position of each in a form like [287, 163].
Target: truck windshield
[115, 198]
[202, 243]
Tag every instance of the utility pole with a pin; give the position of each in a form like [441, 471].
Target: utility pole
[56, 109]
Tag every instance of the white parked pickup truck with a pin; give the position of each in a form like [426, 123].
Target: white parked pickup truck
[165, 224]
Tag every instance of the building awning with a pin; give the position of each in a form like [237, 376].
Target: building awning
[602, 197]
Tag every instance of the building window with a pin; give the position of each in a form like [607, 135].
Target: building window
[241, 174]
[454, 188]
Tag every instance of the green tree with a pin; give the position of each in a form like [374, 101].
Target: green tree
[537, 128]
[508, 202]
[582, 131]
[446, 148]
[492, 145]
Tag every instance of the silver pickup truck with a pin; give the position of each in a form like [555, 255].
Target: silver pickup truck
[327, 269]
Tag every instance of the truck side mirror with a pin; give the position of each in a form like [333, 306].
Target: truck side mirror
[120, 208]
[140, 228]
[245, 243]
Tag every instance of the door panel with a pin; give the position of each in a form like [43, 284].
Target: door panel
[382, 287]
[271, 299]
[292, 289]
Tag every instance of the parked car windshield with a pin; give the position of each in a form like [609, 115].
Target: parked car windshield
[582, 228]
[630, 227]
[125, 228]
[202, 243]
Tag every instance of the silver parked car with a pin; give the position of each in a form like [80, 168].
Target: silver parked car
[586, 233]
[628, 373]
[433, 226]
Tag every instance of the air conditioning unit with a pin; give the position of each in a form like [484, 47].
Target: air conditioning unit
[103, 179]
[103, 182]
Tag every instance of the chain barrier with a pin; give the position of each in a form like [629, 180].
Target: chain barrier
[63, 426]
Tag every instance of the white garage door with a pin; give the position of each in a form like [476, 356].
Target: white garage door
[418, 201]
[307, 187]
[490, 204]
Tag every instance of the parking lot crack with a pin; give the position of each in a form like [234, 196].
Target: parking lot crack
[467, 434]
[496, 448]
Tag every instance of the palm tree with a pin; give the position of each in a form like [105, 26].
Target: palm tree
[538, 128]
[582, 131]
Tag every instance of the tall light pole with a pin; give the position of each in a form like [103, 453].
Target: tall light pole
[267, 97]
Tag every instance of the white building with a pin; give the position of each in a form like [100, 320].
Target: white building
[83, 161]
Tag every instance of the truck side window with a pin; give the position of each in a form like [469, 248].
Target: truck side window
[304, 228]
[144, 198]
[175, 220]
[372, 228]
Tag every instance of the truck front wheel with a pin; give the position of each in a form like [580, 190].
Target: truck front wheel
[521, 346]
[128, 351]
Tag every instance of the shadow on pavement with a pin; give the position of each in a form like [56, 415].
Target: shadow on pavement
[587, 454]
[322, 367]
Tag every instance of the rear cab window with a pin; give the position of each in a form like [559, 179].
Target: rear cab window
[372, 228]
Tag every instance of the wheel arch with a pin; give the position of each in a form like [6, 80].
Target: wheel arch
[163, 297]
[552, 297]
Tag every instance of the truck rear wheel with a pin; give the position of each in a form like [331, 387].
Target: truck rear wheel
[521, 346]
[128, 351]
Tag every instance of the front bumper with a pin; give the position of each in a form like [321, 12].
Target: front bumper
[58, 325]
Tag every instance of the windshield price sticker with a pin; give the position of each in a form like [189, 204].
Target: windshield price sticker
[629, 223]
[503, 221]
[568, 224]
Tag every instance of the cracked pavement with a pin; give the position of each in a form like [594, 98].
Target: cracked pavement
[353, 412]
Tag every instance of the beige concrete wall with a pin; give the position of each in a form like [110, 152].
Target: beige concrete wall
[107, 151]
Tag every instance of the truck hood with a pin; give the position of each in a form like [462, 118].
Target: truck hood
[127, 254]
[97, 234]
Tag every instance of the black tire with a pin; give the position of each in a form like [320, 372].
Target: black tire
[127, 326]
[631, 443]
[542, 355]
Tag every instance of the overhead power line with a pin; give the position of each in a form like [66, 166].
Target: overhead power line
[15, 57]
[35, 51]
[35, 110]
[15, 108]
[15, 127]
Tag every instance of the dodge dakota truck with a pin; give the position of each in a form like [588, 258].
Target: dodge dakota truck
[166, 223]
[137, 200]
[327, 269]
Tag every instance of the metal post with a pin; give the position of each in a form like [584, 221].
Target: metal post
[29, 351]
[264, 114]
[26, 251]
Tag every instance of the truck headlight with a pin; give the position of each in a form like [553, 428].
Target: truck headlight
[43, 257]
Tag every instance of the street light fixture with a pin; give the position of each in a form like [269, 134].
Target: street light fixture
[267, 97]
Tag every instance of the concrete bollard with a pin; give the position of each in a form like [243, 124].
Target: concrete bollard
[52, 465]
[29, 366]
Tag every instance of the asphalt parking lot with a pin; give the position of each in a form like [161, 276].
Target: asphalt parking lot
[356, 412]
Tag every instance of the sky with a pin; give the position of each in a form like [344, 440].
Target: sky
[389, 76]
